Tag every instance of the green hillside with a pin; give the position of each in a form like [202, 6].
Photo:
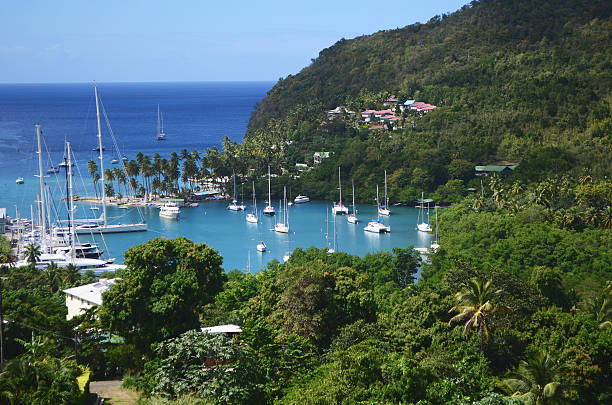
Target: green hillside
[507, 76]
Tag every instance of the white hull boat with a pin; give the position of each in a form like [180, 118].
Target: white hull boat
[301, 199]
[261, 247]
[377, 227]
[169, 210]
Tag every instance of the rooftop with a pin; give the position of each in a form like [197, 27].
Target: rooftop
[222, 329]
[92, 292]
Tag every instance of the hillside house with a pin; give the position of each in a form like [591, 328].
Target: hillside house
[489, 169]
[80, 299]
[406, 105]
[319, 156]
[338, 111]
[390, 102]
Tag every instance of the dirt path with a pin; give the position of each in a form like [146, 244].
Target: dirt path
[112, 392]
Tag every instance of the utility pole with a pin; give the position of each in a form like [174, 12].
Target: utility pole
[1, 327]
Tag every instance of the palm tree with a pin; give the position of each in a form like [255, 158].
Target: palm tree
[92, 168]
[32, 253]
[52, 274]
[533, 381]
[476, 305]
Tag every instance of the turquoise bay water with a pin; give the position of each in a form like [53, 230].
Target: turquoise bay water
[229, 233]
[196, 116]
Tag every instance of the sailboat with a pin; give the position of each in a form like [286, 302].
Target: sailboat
[105, 227]
[339, 208]
[283, 227]
[261, 246]
[234, 206]
[68, 257]
[384, 208]
[377, 226]
[423, 226]
[435, 245]
[252, 216]
[19, 180]
[269, 210]
[352, 218]
[161, 135]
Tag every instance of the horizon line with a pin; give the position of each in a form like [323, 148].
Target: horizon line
[147, 82]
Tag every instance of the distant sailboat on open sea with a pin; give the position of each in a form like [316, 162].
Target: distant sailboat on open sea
[161, 135]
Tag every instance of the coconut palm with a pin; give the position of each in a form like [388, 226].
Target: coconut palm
[92, 168]
[32, 253]
[534, 381]
[476, 305]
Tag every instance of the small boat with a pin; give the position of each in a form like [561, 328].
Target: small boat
[301, 199]
[269, 209]
[161, 135]
[123, 206]
[251, 217]
[114, 161]
[125, 159]
[283, 227]
[339, 208]
[423, 226]
[286, 257]
[53, 170]
[352, 218]
[169, 210]
[384, 208]
[97, 149]
[234, 206]
[376, 226]
[94, 208]
[19, 180]
[194, 204]
[435, 244]
[261, 246]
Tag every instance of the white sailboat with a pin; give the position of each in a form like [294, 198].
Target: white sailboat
[384, 208]
[251, 217]
[63, 258]
[105, 227]
[19, 180]
[234, 206]
[352, 218]
[423, 226]
[339, 208]
[261, 246]
[377, 226]
[435, 245]
[283, 227]
[161, 135]
[269, 209]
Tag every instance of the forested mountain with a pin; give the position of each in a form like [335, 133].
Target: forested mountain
[508, 77]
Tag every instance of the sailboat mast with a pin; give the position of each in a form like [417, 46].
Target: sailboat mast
[269, 194]
[71, 203]
[254, 200]
[386, 197]
[340, 186]
[42, 189]
[377, 203]
[101, 156]
[353, 183]
[158, 121]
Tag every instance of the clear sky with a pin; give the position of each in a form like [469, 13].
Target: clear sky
[185, 40]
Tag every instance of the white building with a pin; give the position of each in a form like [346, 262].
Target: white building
[80, 299]
[229, 329]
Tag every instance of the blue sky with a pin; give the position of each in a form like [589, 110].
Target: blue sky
[141, 41]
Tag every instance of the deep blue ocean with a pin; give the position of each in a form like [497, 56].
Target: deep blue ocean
[196, 116]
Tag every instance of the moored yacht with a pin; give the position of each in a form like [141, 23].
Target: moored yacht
[283, 227]
[384, 208]
[301, 199]
[339, 208]
[234, 206]
[352, 217]
[169, 210]
[19, 180]
[251, 217]
[269, 209]
[423, 225]
[261, 246]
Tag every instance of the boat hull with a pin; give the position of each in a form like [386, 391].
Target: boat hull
[119, 228]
